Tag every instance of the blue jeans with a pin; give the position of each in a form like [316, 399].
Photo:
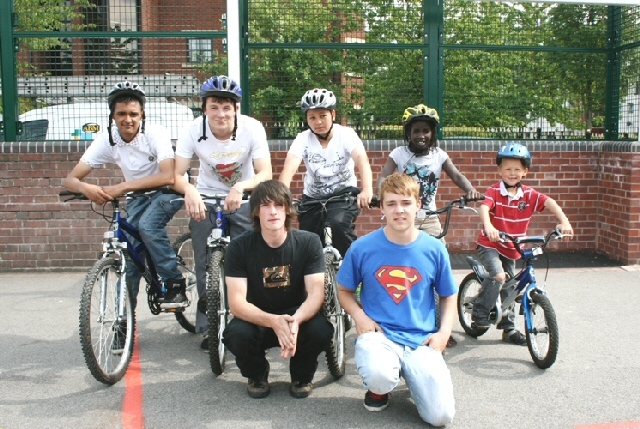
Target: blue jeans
[495, 264]
[150, 215]
[200, 231]
[381, 362]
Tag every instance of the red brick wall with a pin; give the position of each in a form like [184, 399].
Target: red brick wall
[597, 184]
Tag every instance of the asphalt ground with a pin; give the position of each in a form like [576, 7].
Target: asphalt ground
[594, 383]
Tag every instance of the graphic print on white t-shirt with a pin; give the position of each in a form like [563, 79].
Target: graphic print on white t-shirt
[327, 174]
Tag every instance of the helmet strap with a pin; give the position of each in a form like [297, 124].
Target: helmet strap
[111, 142]
[235, 127]
[204, 128]
[326, 136]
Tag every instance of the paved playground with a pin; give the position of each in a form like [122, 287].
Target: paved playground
[594, 384]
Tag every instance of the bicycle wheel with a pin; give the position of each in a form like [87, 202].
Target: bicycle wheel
[217, 314]
[106, 340]
[335, 314]
[184, 250]
[543, 340]
[469, 290]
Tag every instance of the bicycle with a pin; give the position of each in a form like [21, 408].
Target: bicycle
[217, 307]
[331, 308]
[107, 322]
[540, 320]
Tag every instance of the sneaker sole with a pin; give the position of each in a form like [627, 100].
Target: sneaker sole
[376, 409]
[173, 305]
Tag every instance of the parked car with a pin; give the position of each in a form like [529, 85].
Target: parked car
[83, 121]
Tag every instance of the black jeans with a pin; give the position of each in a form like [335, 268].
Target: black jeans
[249, 342]
[341, 216]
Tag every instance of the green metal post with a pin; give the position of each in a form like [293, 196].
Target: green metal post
[8, 67]
[433, 28]
[244, 55]
[612, 83]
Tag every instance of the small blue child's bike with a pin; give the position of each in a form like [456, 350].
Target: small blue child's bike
[540, 319]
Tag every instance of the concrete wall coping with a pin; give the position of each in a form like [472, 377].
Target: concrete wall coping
[78, 146]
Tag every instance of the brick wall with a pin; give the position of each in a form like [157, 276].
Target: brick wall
[596, 183]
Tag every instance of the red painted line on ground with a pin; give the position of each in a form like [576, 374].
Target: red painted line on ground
[616, 425]
[132, 416]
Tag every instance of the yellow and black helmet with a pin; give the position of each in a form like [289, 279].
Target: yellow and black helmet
[420, 111]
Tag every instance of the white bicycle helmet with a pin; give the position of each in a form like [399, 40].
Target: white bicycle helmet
[126, 88]
[318, 98]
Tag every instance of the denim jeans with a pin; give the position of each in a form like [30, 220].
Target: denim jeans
[381, 362]
[249, 342]
[495, 264]
[150, 215]
[200, 231]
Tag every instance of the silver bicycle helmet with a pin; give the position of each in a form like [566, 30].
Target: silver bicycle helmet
[318, 98]
[126, 89]
[122, 91]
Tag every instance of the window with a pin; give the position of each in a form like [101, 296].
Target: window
[200, 51]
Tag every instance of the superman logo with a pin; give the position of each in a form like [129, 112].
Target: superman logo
[397, 280]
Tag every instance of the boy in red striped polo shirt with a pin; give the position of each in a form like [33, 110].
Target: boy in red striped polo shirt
[508, 207]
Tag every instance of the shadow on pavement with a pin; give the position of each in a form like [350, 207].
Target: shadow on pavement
[556, 260]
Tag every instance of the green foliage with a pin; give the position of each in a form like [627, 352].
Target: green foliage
[49, 15]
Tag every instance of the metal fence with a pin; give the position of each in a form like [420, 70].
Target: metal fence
[491, 69]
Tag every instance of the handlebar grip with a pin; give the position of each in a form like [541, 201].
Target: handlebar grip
[375, 202]
[66, 193]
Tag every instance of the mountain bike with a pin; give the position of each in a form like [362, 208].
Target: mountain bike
[107, 322]
[331, 308]
[217, 307]
[540, 319]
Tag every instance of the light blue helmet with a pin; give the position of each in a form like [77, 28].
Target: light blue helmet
[515, 151]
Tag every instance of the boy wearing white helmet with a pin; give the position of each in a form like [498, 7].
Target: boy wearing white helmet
[330, 153]
[234, 157]
[145, 155]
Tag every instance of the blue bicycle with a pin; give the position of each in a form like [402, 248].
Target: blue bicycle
[540, 319]
[107, 322]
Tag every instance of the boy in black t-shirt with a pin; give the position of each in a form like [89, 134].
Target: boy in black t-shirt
[275, 284]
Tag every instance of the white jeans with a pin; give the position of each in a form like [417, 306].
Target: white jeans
[381, 363]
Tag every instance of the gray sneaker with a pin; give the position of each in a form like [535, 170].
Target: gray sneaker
[259, 387]
[514, 337]
[300, 390]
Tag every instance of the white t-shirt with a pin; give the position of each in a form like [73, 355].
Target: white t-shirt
[137, 159]
[424, 169]
[223, 163]
[328, 169]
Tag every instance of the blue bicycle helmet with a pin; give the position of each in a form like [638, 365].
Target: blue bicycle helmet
[125, 90]
[515, 151]
[221, 86]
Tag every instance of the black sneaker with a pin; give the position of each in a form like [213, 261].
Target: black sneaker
[204, 345]
[451, 342]
[176, 295]
[514, 337]
[375, 402]
[119, 339]
[300, 390]
[259, 388]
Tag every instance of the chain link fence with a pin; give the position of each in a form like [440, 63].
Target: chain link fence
[493, 70]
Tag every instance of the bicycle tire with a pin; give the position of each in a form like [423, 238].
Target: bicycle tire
[335, 314]
[100, 329]
[186, 264]
[543, 342]
[217, 314]
[469, 290]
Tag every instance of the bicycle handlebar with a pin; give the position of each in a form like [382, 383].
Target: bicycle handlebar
[543, 240]
[132, 194]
